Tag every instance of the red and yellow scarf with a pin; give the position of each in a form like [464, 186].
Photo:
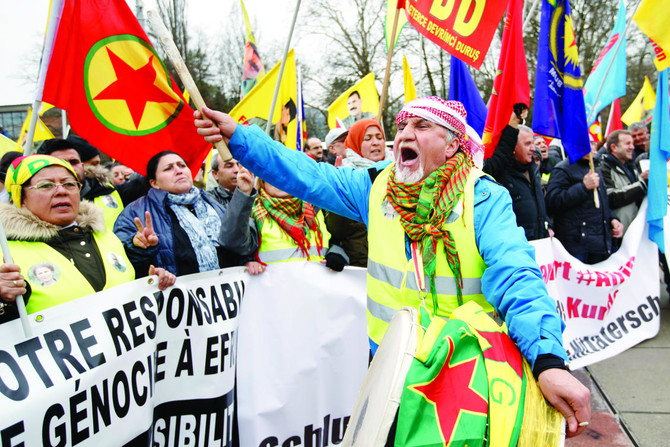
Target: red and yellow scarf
[295, 217]
[424, 208]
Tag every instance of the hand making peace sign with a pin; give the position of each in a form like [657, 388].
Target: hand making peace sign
[145, 237]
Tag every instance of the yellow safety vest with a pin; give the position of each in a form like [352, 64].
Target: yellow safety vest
[55, 280]
[111, 206]
[391, 278]
[277, 246]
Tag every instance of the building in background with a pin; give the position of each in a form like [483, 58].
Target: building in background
[12, 118]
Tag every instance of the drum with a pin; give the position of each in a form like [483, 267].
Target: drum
[377, 403]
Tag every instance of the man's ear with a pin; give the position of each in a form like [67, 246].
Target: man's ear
[451, 149]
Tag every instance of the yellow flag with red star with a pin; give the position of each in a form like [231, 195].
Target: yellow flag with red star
[469, 385]
[118, 94]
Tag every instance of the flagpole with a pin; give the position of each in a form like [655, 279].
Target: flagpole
[30, 135]
[281, 68]
[591, 116]
[63, 117]
[301, 144]
[387, 74]
[52, 26]
[531, 11]
[172, 52]
[20, 302]
[607, 72]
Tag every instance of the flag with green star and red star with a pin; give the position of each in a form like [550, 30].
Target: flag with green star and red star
[470, 386]
[118, 93]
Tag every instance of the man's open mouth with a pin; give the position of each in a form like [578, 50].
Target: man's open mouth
[408, 155]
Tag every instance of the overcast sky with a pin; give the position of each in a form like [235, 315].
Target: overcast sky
[22, 25]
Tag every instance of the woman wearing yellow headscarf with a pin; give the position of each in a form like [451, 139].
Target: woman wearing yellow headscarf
[60, 246]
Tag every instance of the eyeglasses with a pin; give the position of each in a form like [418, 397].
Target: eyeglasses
[50, 187]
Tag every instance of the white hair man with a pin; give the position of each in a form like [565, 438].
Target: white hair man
[433, 207]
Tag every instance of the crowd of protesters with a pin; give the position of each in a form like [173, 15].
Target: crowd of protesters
[76, 226]
[242, 221]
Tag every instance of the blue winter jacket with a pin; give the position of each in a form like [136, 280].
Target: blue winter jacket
[164, 254]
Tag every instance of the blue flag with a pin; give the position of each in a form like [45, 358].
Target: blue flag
[559, 110]
[659, 153]
[611, 84]
[463, 88]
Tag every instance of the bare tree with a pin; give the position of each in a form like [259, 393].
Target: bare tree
[173, 13]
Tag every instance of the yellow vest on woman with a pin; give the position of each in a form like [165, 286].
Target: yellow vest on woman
[391, 278]
[277, 246]
[69, 283]
[111, 206]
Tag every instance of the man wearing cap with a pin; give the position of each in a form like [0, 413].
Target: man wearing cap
[430, 208]
[335, 143]
[97, 182]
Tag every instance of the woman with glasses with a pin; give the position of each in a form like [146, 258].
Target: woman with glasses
[50, 231]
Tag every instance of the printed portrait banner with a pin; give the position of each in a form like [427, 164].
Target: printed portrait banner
[302, 354]
[255, 107]
[607, 307]
[129, 365]
[456, 26]
[360, 101]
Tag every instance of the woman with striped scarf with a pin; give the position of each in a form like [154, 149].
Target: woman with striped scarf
[290, 230]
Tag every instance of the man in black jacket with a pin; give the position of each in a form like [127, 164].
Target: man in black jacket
[625, 188]
[584, 230]
[512, 166]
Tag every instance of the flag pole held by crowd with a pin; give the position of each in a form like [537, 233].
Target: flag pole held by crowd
[54, 16]
[281, 67]
[387, 73]
[189, 84]
[20, 302]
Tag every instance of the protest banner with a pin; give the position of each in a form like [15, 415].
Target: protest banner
[607, 307]
[133, 365]
[456, 26]
[302, 354]
[256, 105]
[360, 101]
[127, 366]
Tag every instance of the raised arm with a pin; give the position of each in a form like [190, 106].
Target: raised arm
[342, 190]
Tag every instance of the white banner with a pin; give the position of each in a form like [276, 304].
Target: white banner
[302, 355]
[130, 365]
[135, 366]
[607, 307]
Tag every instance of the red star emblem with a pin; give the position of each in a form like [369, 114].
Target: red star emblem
[135, 87]
[451, 392]
[503, 350]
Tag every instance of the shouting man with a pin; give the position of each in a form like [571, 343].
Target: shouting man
[432, 207]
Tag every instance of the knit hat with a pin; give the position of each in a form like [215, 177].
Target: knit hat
[86, 150]
[24, 168]
[357, 132]
[449, 114]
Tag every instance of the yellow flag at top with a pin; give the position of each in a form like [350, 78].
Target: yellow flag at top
[642, 108]
[254, 108]
[7, 145]
[391, 7]
[652, 17]
[410, 88]
[42, 132]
